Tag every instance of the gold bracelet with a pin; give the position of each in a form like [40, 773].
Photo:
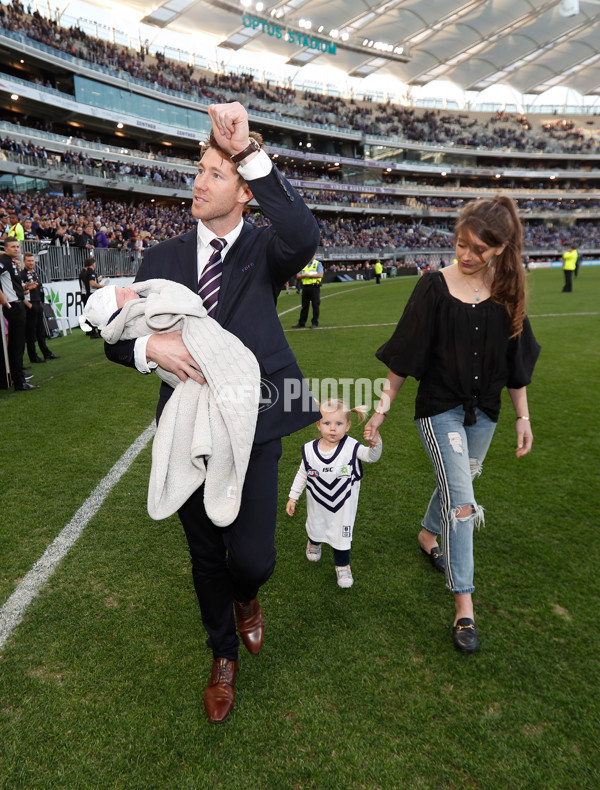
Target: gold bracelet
[383, 413]
[522, 417]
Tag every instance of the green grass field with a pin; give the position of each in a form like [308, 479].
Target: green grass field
[101, 683]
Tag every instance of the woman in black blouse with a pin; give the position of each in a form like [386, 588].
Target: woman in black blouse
[464, 335]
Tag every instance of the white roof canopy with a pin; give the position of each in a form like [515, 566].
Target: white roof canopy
[531, 46]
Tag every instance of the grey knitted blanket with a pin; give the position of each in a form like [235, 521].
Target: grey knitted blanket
[205, 433]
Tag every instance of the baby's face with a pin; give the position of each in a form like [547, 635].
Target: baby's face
[125, 295]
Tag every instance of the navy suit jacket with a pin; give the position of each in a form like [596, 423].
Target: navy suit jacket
[254, 270]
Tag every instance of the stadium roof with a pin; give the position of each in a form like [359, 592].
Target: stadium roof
[531, 46]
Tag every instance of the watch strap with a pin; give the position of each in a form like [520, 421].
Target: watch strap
[253, 146]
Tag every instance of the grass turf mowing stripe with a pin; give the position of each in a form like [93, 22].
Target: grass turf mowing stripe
[394, 323]
[328, 296]
[13, 610]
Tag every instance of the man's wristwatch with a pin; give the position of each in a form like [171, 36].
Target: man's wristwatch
[252, 147]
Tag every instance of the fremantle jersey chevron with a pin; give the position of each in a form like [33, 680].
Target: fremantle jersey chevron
[332, 489]
[330, 480]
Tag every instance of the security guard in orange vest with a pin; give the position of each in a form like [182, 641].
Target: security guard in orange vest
[310, 277]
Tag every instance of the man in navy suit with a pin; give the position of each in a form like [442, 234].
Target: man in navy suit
[230, 564]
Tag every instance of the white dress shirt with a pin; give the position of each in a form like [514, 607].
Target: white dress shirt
[259, 166]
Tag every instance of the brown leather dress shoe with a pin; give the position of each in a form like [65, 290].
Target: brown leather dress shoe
[219, 695]
[250, 624]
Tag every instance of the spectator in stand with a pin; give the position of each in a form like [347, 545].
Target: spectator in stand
[79, 240]
[117, 241]
[4, 226]
[101, 238]
[28, 232]
[15, 231]
[63, 237]
[46, 232]
[83, 237]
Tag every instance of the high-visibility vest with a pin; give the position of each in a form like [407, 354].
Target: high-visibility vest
[570, 260]
[16, 232]
[313, 267]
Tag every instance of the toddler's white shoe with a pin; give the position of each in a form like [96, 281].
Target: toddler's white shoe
[344, 576]
[313, 553]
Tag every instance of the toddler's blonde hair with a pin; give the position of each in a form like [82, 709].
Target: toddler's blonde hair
[336, 404]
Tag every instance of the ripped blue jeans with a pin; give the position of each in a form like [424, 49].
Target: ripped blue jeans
[456, 452]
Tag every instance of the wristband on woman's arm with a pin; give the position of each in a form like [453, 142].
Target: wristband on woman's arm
[523, 417]
[383, 413]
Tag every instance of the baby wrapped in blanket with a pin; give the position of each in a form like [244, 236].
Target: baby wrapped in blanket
[206, 431]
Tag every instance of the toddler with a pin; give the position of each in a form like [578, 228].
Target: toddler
[331, 471]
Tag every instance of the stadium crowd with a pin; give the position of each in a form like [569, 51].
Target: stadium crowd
[93, 223]
[119, 225]
[500, 131]
[82, 163]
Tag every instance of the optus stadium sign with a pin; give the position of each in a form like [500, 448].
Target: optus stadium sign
[291, 36]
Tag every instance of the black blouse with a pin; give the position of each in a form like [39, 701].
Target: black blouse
[461, 353]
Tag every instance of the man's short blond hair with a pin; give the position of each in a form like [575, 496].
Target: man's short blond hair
[212, 143]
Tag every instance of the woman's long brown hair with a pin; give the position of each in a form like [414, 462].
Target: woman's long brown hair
[496, 222]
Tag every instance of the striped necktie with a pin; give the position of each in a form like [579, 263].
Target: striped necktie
[210, 281]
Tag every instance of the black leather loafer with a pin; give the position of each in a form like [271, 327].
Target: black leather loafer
[436, 558]
[464, 635]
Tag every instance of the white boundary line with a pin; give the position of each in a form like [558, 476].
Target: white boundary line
[560, 315]
[366, 326]
[394, 323]
[11, 614]
[337, 293]
[345, 326]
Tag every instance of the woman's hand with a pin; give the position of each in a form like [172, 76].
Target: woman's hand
[523, 426]
[371, 432]
[524, 436]
[290, 508]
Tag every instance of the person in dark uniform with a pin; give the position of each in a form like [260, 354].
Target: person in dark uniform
[13, 306]
[310, 277]
[35, 331]
[87, 282]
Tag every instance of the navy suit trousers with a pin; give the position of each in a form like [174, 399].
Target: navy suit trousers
[231, 563]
